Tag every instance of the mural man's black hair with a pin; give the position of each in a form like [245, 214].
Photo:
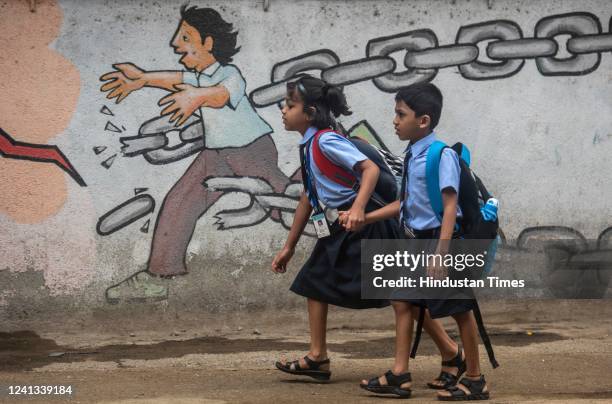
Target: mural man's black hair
[209, 22]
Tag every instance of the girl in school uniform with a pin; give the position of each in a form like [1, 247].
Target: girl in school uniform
[332, 274]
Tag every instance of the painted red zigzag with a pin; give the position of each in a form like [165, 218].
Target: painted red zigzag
[12, 148]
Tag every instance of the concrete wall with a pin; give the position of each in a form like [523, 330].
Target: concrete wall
[78, 213]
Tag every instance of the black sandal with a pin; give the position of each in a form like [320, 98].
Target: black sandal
[313, 370]
[393, 385]
[475, 387]
[447, 378]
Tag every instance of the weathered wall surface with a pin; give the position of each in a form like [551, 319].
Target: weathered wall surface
[85, 180]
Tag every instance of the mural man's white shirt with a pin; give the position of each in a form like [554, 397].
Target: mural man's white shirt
[236, 124]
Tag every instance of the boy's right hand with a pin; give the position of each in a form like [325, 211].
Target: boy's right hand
[342, 217]
[126, 78]
[279, 264]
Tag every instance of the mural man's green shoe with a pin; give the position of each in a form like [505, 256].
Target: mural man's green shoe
[139, 287]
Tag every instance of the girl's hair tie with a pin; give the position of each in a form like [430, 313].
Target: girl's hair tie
[325, 89]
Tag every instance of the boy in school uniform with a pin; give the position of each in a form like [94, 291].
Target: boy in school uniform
[417, 112]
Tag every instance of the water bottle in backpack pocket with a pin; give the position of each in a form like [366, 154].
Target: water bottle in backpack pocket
[489, 215]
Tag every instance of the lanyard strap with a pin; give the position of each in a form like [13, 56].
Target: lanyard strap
[404, 189]
[308, 177]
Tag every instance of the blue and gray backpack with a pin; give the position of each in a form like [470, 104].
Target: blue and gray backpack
[473, 196]
[475, 225]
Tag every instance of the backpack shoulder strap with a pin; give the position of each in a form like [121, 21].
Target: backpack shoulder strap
[334, 172]
[463, 152]
[432, 176]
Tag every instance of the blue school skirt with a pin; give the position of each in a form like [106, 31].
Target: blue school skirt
[332, 273]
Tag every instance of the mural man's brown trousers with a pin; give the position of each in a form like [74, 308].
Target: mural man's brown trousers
[189, 199]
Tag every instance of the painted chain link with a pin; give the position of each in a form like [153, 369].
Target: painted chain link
[503, 41]
[506, 49]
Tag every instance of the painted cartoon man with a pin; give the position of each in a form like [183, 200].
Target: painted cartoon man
[208, 101]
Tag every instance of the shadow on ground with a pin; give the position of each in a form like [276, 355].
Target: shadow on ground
[26, 350]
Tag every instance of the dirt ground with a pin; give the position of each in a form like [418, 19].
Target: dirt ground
[553, 351]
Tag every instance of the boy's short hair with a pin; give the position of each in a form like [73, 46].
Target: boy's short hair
[423, 99]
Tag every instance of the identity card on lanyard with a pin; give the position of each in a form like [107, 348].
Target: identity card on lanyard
[318, 217]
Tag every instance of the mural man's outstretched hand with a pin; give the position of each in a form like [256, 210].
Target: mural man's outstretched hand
[182, 103]
[126, 78]
[186, 99]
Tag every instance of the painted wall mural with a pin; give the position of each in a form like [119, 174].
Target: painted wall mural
[206, 117]
[208, 113]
